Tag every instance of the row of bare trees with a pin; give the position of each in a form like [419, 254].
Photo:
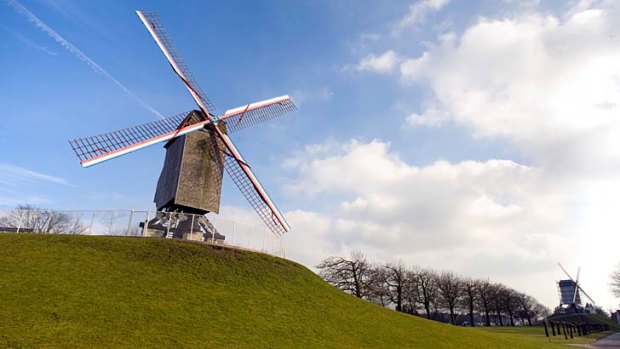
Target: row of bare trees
[417, 291]
[28, 218]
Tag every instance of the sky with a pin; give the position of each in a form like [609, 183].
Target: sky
[481, 137]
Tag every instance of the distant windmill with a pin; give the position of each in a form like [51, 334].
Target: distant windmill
[197, 151]
[570, 290]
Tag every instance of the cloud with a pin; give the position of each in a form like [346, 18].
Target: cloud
[455, 216]
[383, 63]
[546, 84]
[550, 86]
[19, 8]
[34, 45]
[316, 95]
[431, 117]
[418, 11]
[18, 185]
[12, 175]
[523, 3]
[10, 198]
[363, 41]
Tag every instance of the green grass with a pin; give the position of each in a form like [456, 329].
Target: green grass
[60, 291]
[538, 333]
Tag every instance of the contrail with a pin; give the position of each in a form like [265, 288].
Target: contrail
[76, 51]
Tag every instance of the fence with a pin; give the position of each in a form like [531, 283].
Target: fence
[209, 229]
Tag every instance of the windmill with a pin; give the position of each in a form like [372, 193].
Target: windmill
[570, 290]
[198, 149]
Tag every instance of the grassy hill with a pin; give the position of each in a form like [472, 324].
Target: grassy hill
[81, 291]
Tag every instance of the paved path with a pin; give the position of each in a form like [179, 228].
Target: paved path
[611, 341]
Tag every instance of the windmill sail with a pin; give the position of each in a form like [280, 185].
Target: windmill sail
[243, 177]
[96, 149]
[570, 289]
[154, 26]
[236, 166]
[254, 113]
[584, 292]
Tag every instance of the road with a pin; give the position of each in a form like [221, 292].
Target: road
[611, 341]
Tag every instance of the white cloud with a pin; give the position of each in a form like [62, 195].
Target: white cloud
[549, 85]
[316, 95]
[456, 216]
[383, 63]
[544, 83]
[11, 175]
[431, 117]
[363, 41]
[34, 45]
[418, 12]
[18, 185]
[524, 3]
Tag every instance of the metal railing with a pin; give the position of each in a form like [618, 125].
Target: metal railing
[212, 230]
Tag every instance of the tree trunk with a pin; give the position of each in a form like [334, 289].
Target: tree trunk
[499, 316]
[471, 313]
[356, 283]
[452, 317]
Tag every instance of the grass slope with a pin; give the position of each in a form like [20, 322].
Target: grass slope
[81, 291]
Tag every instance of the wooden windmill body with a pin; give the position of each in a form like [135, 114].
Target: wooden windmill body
[191, 178]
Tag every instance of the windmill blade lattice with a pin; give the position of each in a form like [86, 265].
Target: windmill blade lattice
[243, 177]
[95, 146]
[241, 180]
[154, 26]
[96, 149]
[255, 113]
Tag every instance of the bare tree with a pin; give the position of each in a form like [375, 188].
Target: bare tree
[29, 218]
[470, 297]
[615, 281]
[539, 312]
[497, 301]
[409, 290]
[410, 293]
[379, 292]
[427, 289]
[395, 278]
[527, 305]
[449, 291]
[485, 299]
[354, 275]
[509, 298]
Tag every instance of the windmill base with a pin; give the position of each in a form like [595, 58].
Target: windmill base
[179, 225]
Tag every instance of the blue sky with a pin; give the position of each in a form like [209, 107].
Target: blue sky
[474, 136]
[254, 52]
